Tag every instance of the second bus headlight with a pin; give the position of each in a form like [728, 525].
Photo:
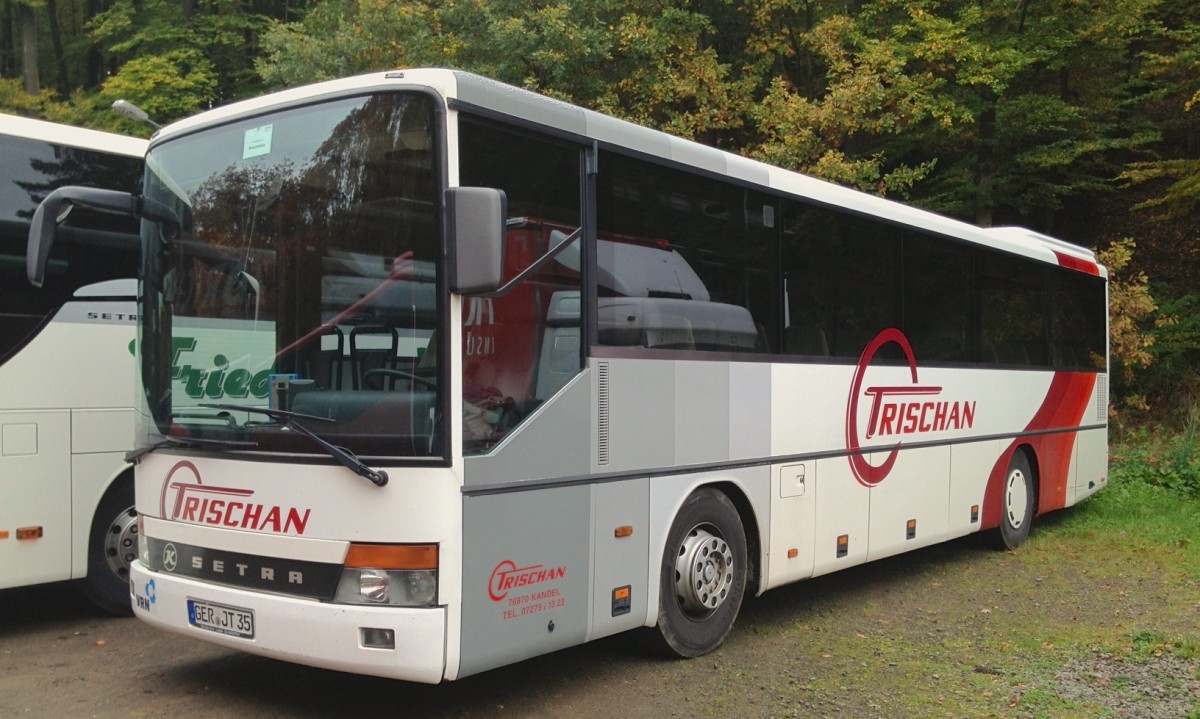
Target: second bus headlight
[402, 575]
[392, 587]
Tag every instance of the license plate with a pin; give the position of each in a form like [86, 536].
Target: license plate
[221, 618]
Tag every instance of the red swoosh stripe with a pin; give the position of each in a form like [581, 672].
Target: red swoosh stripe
[1063, 407]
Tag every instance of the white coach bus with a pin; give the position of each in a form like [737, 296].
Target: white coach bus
[440, 374]
[67, 366]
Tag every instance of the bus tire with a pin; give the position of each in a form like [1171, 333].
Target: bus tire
[112, 547]
[1017, 499]
[703, 577]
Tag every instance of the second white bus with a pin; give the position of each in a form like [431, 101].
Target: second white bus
[67, 366]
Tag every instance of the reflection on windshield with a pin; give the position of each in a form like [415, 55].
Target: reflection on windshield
[302, 278]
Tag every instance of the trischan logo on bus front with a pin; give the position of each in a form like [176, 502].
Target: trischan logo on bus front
[199, 503]
[896, 410]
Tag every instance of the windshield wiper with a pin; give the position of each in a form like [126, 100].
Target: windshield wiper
[168, 440]
[288, 419]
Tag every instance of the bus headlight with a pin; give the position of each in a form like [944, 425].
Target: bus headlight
[398, 575]
[392, 587]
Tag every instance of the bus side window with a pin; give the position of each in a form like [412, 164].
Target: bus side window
[521, 347]
[685, 262]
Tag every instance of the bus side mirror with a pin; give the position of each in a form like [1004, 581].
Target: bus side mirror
[475, 218]
[54, 210]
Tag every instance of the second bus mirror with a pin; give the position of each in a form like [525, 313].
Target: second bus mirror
[475, 218]
[54, 209]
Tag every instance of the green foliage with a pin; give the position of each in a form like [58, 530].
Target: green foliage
[869, 94]
[169, 85]
[176, 63]
[1169, 382]
[1130, 303]
[1168, 64]
[1167, 460]
[15, 101]
[1146, 643]
[82, 108]
[648, 61]
[1181, 197]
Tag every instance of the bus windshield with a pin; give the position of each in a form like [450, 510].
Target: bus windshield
[293, 264]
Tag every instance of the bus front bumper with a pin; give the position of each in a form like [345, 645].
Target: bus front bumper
[303, 631]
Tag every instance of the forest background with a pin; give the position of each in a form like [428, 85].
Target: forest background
[1077, 118]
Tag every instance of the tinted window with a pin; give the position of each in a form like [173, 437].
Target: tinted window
[1012, 311]
[937, 299]
[91, 247]
[690, 262]
[684, 261]
[1078, 329]
[842, 280]
[522, 347]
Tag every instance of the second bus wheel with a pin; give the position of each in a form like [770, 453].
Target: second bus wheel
[112, 547]
[703, 576]
[1016, 503]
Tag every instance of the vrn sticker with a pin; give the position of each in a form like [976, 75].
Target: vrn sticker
[895, 410]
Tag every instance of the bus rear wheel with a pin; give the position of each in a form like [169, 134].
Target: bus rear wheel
[703, 577]
[1017, 501]
[112, 547]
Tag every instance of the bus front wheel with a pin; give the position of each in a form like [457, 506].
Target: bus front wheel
[1017, 502]
[703, 575]
[112, 547]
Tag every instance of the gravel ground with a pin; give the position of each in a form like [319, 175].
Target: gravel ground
[1163, 687]
[1071, 626]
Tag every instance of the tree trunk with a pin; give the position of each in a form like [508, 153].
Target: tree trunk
[8, 60]
[985, 168]
[95, 60]
[64, 86]
[29, 51]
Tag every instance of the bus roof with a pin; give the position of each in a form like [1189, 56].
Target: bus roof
[72, 136]
[473, 91]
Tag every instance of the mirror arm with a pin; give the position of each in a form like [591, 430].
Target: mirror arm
[52, 211]
[537, 264]
[55, 207]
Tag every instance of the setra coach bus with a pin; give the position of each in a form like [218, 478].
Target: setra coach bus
[438, 374]
[67, 366]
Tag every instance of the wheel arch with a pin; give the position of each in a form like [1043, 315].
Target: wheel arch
[88, 496]
[667, 499]
[688, 625]
[1032, 457]
[993, 494]
[750, 526]
[111, 545]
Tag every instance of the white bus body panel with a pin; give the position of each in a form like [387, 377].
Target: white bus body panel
[54, 133]
[63, 439]
[333, 507]
[303, 631]
[34, 467]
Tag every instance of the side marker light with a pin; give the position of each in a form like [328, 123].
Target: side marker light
[29, 533]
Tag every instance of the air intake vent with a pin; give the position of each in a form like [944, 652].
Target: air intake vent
[602, 414]
[1102, 398]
